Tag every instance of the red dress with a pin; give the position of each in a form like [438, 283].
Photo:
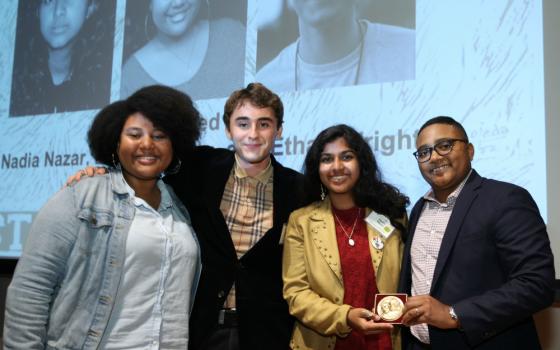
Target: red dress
[359, 278]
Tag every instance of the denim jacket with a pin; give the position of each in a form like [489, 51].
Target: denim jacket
[67, 278]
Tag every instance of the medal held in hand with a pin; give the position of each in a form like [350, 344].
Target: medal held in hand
[390, 307]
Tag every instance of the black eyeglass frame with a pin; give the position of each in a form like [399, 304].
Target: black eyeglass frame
[434, 147]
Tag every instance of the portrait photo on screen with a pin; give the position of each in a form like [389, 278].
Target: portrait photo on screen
[63, 56]
[305, 45]
[196, 46]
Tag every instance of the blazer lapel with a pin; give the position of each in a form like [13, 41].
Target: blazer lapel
[376, 254]
[280, 195]
[460, 211]
[217, 175]
[323, 234]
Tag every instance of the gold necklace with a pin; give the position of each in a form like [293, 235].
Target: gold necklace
[351, 242]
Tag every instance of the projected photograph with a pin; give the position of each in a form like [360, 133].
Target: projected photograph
[195, 46]
[63, 56]
[305, 45]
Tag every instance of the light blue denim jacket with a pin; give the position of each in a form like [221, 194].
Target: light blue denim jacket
[67, 278]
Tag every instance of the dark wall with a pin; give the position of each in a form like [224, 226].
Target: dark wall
[6, 272]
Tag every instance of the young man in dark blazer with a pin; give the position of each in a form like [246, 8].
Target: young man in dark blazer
[477, 260]
[239, 202]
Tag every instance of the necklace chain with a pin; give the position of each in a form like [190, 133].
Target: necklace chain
[356, 77]
[349, 236]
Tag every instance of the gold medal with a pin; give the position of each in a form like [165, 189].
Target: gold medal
[390, 308]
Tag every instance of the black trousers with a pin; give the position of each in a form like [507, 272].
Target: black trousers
[224, 338]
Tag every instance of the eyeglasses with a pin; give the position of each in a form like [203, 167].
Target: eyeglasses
[442, 148]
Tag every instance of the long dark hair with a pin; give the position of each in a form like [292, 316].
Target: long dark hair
[91, 65]
[370, 191]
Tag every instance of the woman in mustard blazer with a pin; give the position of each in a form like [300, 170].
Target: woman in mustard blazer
[342, 250]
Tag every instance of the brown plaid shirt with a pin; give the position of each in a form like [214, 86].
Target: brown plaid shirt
[247, 209]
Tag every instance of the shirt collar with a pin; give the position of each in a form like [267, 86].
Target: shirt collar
[263, 176]
[166, 201]
[429, 196]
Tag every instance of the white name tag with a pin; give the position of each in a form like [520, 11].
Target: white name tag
[381, 223]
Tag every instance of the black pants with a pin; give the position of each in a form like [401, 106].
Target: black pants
[224, 338]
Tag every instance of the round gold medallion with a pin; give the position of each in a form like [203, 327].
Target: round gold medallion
[390, 308]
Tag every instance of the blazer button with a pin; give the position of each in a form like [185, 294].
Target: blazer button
[221, 294]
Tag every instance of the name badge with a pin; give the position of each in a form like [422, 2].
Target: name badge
[381, 223]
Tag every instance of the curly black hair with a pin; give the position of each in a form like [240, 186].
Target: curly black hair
[370, 191]
[168, 109]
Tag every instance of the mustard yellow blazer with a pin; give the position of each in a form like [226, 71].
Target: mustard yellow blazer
[312, 276]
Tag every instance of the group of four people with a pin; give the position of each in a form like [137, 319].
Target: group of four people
[234, 251]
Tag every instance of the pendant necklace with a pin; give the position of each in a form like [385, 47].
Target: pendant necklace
[357, 75]
[351, 241]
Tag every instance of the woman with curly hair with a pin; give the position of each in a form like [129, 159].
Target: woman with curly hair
[335, 261]
[112, 262]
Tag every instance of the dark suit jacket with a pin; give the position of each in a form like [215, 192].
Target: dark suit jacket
[494, 266]
[264, 321]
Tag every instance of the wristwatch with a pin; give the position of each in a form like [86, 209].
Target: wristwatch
[455, 318]
[453, 314]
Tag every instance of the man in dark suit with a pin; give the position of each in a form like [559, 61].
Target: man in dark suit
[239, 202]
[477, 260]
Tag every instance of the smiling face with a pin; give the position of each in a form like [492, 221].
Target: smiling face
[445, 173]
[144, 151]
[174, 17]
[339, 170]
[253, 131]
[61, 20]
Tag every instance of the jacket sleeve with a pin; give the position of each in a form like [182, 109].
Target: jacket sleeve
[38, 273]
[523, 251]
[311, 309]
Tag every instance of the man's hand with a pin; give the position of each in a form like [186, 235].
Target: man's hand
[425, 309]
[89, 171]
[365, 321]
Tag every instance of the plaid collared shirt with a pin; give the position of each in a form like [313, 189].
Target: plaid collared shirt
[247, 207]
[425, 247]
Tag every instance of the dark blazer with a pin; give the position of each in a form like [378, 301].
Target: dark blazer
[494, 266]
[264, 321]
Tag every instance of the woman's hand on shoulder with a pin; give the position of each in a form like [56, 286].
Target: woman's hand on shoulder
[366, 322]
[90, 171]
